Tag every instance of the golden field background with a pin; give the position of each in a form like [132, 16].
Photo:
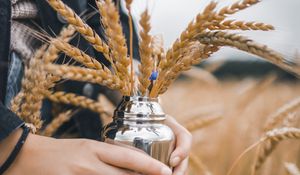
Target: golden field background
[244, 106]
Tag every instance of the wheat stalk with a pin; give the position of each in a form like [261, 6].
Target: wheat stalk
[76, 100]
[272, 139]
[157, 47]
[85, 30]
[147, 62]
[130, 23]
[276, 118]
[242, 43]
[57, 122]
[116, 39]
[102, 77]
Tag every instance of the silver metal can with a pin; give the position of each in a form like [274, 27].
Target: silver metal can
[139, 122]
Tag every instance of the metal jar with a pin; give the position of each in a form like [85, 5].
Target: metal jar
[139, 122]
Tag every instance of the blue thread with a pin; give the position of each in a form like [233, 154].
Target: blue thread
[154, 75]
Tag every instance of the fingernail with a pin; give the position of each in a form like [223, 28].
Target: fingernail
[175, 161]
[166, 171]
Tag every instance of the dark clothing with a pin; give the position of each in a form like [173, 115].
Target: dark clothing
[8, 122]
[5, 13]
[88, 124]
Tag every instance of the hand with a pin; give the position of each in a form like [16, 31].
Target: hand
[179, 157]
[47, 156]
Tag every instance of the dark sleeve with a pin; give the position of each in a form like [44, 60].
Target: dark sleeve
[5, 13]
[8, 122]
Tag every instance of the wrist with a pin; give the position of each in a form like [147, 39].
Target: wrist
[8, 144]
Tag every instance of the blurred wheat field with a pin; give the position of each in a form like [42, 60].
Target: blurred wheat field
[244, 107]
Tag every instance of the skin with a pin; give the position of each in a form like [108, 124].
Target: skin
[48, 156]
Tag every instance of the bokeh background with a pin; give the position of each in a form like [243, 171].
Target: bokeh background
[170, 17]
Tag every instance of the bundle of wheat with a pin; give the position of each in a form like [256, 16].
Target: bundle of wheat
[205, 35]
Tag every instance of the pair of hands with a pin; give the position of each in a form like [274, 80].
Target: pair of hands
[47, 156]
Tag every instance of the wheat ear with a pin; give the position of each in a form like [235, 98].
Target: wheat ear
[194, 57]
[76, 100]
[180, 45]
[272, 139]
[242, 43]
[85, 30]
[52, 52]
[77, 54]
[147, 62]
[17, 102]
[278, 117]
[113, 29]
[238, 6]
[103, 77]
[57, 122]
[33, 88]
[173, 54]
[240, 25]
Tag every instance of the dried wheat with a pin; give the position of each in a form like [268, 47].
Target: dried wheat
[33, 88]
[238, 6]
[272, 139]
[103, 77]
[277, 118]
[147, 63]
[52, 53]
[76, 100]
[87, 32]
[242, 43]
[116, 39]
[57, 122]
[193, 56]
[240, 25]
[77, 54]
[130, 22]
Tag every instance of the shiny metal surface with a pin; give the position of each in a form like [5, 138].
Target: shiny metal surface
[139, 122]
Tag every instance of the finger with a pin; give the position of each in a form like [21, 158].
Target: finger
[182, 168]
[132, 160]
[183, 142]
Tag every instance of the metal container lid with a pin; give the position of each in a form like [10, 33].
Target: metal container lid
[139, 108]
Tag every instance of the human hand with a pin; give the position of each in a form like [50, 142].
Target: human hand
[47, 156]
[179, 157]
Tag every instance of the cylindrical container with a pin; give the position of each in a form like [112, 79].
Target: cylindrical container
[139, 122]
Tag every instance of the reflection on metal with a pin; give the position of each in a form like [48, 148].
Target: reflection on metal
[139, 123]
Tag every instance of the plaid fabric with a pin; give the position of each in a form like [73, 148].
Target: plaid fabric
[23, 11]
[21, 41]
